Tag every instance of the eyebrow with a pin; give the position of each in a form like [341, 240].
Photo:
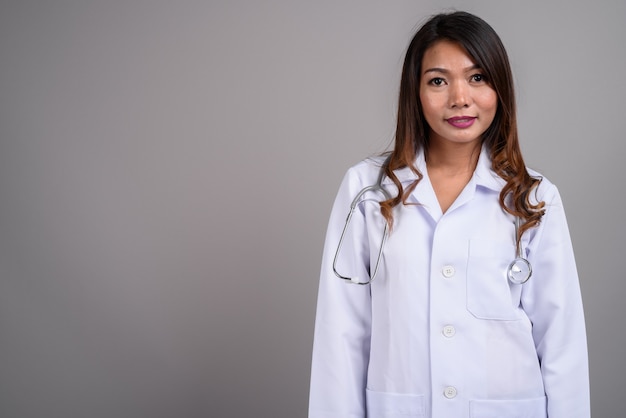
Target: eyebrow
[445, 71]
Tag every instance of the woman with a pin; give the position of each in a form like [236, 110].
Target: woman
[441, 331]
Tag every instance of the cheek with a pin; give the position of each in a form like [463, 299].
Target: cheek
[489, 101]
[429, 107]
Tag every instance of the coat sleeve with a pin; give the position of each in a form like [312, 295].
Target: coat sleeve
[553, 302]
[342, 326]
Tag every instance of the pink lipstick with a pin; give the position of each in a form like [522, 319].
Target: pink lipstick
[461, 121]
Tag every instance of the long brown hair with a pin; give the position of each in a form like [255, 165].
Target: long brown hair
[485, 48]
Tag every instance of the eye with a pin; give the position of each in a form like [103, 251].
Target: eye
[437, 81]
[479, 78]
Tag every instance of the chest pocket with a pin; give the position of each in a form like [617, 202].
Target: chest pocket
[489, 294]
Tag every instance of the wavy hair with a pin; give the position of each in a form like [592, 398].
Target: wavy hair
[485, 48]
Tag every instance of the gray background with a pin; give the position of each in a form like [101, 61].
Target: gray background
[167, 171]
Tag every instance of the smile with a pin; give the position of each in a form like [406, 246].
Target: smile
[461, 121]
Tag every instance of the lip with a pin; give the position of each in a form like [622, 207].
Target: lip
[461, 121]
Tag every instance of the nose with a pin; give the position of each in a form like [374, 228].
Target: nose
[459, 95]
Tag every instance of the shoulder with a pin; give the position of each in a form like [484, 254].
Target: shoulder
[546, 191]
[358, 177]
[365, 172]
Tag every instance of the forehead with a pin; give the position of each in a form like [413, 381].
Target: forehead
[447, 54]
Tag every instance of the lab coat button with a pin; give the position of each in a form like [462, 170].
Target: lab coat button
[449, 331]
[448, 271]
[449, 392]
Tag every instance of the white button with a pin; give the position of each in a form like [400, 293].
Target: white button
[449, 392]
[448, 271]
[449, 331]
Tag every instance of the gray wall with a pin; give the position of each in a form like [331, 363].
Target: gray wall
[167, 170]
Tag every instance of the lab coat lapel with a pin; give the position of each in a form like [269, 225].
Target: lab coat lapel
[423, 195]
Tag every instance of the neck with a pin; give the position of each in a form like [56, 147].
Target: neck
[453, 158]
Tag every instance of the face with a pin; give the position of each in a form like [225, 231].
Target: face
[458, 102]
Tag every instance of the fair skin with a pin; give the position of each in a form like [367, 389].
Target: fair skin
[459, 105]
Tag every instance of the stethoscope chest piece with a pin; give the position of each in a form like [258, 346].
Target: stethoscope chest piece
[519, 271]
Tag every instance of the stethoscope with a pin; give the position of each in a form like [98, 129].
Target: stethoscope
[518, 271]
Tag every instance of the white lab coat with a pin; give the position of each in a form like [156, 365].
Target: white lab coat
[441, 332]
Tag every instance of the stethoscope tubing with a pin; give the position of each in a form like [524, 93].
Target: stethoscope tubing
[377, 187]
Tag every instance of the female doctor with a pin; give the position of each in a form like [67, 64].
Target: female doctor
[474, 306]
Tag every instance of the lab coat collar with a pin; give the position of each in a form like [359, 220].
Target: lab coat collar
[484, 176]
